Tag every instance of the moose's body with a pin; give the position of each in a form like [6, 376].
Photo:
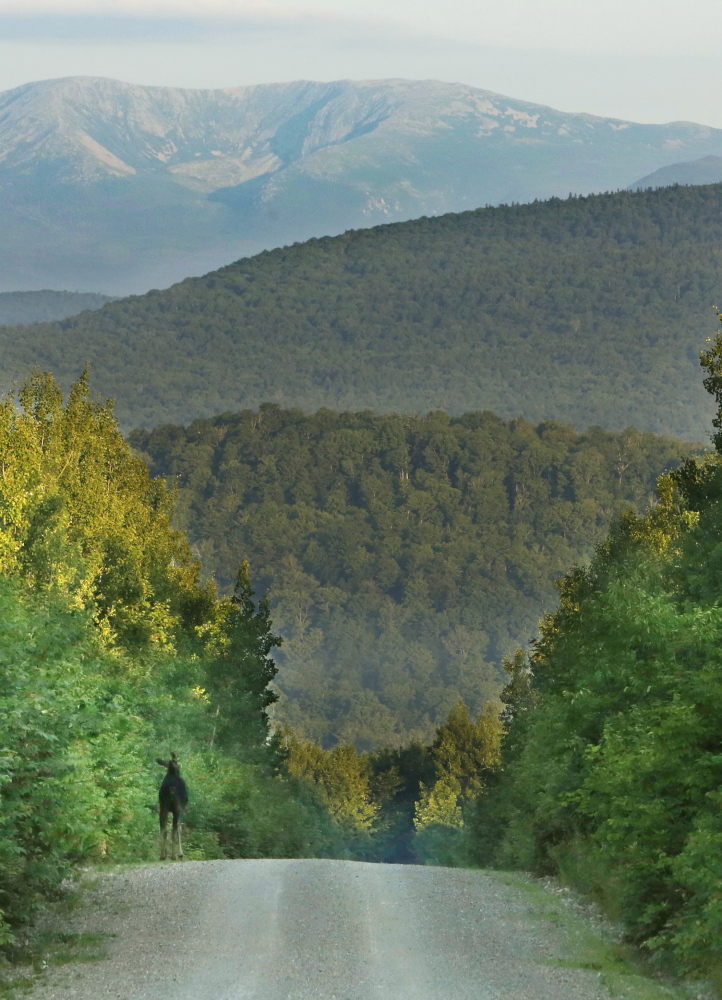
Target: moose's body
[172, 798]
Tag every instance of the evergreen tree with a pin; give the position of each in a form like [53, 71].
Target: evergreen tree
[239, 668]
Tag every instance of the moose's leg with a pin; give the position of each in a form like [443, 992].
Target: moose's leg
[180, 827]
[174, 836]
[163, 832]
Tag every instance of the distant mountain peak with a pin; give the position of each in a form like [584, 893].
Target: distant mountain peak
[115, 185]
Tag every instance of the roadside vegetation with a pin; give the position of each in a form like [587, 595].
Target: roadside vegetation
[612, 754]
[112, 652]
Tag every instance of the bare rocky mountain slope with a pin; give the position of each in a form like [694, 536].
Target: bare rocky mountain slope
[109, 185]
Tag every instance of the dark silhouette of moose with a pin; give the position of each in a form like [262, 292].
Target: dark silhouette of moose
[172, 798]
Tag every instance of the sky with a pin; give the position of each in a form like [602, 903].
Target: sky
[643, 60]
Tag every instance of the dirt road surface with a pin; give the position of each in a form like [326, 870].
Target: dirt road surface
[318, 930]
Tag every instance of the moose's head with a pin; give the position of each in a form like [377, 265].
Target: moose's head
[172, 765]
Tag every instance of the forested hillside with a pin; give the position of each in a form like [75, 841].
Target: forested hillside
[612, 759]
[590, 311]
[404, 556]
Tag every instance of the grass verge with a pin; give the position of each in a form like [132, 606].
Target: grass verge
[45, 946]
[594, 944]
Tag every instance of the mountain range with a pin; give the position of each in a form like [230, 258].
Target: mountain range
[115, 187]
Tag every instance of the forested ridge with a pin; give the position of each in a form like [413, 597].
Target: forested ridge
[404, 556]
[589, 310]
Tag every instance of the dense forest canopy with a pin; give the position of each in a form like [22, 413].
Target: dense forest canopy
[590, 310]
[404, 555]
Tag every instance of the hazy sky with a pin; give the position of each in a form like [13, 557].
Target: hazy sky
[647, 60]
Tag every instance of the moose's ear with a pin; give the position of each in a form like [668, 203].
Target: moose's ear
[163, 763]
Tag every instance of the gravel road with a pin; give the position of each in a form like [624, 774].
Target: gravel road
[317, 930]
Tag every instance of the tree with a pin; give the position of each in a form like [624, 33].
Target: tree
[238, 641]
[465, 753]
[342, 776]
[612, 764]
[80, 514]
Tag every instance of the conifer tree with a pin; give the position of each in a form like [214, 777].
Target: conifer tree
[239, 668]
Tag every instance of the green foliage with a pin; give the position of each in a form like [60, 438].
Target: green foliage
[613, 763]
[79, 514]
[587, 310]
[468, 750]
[77, 774]
[59, 725]
[239, 668]
[398, 776]
[464, 753]
[403, 804]
[111, 652]
[342, 776]
[404, 556]
[239, 810]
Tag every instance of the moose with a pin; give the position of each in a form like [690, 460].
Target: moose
[172, 798]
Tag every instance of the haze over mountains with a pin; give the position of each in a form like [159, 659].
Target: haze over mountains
[707, 170]
[46, 305]
[106, 185]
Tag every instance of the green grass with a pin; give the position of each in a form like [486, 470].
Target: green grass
[45, 947]
[60, 948]
[622, 969]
